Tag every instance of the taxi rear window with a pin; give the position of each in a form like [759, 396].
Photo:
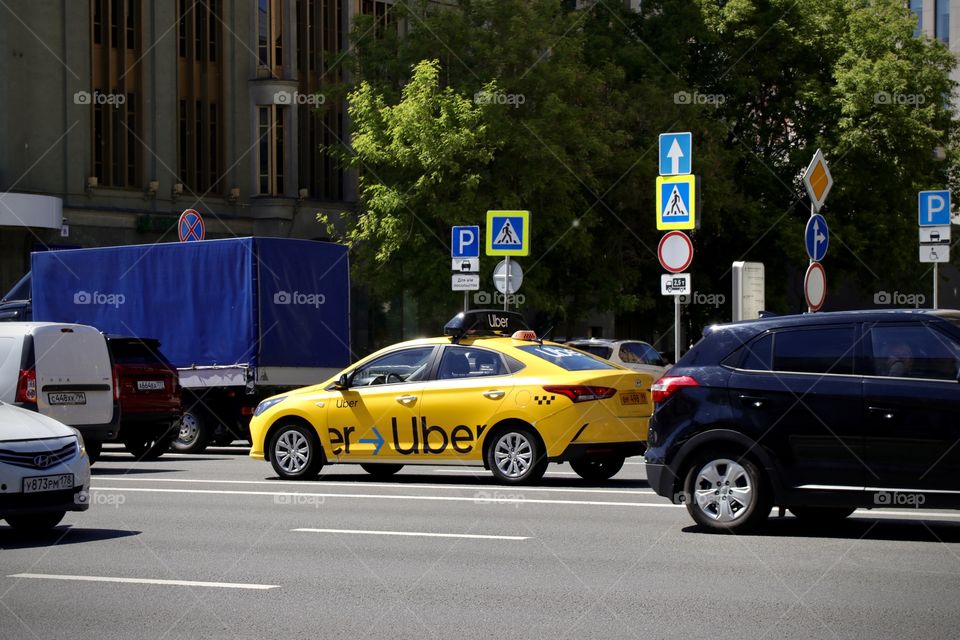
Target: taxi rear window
[566, 358]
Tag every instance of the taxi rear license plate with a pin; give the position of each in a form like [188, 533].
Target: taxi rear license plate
[75, 397]
[38, 484]
[632, 397]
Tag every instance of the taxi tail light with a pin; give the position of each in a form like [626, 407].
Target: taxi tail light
[666, 386]
[581, 392]
[27, 386]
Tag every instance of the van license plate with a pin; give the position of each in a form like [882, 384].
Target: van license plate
[48, 483]
[150, 385]
[631, 398]
[76, 397]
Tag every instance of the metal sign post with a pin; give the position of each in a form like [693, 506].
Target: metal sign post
[935, 287]
[676, 328]
[508, 281]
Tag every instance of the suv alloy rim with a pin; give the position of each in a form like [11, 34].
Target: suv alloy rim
[723, 490]
[292, 451]
[513, 455]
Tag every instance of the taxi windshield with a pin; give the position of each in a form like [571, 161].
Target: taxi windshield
[566, 358]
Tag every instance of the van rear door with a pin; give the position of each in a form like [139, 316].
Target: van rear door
[74, 374]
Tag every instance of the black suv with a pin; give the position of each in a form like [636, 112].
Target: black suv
[818, 413]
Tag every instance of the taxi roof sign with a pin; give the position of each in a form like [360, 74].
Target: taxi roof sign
[817, 180]
[484, 322]
[508, 233]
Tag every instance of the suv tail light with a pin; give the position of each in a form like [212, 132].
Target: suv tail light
[581, 392]
[27, 386]
[669, 385]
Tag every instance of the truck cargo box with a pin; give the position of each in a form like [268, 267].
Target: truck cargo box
[249, 309]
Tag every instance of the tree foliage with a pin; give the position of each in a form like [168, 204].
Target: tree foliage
[501, 104]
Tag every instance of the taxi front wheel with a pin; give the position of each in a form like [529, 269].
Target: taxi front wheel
[516, 456]
[295, 452]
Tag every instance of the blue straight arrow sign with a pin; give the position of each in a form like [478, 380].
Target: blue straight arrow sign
[378, 441]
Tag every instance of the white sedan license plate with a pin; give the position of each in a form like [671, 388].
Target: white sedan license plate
[37, 484]
[150, 385]
[74, 397]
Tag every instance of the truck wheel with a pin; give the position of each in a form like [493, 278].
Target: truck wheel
[295, 452]
[194, 432]
[597, 468]
[37, 522]
[94, 447]
[381, 470]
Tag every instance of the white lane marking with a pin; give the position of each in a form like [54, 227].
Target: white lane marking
[907, 513]
[365, 532]
[395, 485]
[482, 497]
[483, 473]
[174, 583]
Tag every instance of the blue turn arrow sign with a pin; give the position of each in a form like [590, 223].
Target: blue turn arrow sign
[817, 237]
[377, 441]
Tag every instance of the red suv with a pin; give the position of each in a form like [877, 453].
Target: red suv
[148, 389]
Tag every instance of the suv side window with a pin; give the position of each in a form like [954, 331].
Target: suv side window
[913, 351]
[818, 350]
[758, 354]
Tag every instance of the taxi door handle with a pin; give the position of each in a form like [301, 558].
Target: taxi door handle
[406, 399]
[494, 394]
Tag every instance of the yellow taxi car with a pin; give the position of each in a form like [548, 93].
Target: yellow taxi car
[487, 394]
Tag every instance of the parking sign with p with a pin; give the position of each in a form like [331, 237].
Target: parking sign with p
[934, 208]
[465, 242]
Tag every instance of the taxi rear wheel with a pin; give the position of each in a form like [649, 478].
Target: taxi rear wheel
[295, 452]
[381, 470]
[597, 468]
[516, 456]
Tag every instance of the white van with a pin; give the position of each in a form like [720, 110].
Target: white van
[64, 372]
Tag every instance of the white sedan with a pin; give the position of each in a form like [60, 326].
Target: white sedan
[44, 469]
[632, 354]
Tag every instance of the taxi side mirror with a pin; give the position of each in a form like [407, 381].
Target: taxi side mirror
[343, 382]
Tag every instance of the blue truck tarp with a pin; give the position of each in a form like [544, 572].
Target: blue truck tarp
[256, 302]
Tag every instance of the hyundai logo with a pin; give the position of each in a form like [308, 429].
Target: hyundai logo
[42, 461]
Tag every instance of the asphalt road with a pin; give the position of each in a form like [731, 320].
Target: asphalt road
[212, 546]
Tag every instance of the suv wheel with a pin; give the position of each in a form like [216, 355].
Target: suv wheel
[726, 493]
[597, 468]
[515, 456]
[295, 452]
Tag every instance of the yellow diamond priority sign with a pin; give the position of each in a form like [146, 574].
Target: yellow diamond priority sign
[817, 180]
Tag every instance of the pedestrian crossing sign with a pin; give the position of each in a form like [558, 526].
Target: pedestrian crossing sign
[508, 233]
[676, 202]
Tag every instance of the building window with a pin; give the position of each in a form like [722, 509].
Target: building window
[941, 21]
[271, 150]
[270, 35]
[916, 6]
[115, 73]
[199, 96]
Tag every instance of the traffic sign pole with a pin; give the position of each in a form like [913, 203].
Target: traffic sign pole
[676, 329]
[506, 296]
[935, 287]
